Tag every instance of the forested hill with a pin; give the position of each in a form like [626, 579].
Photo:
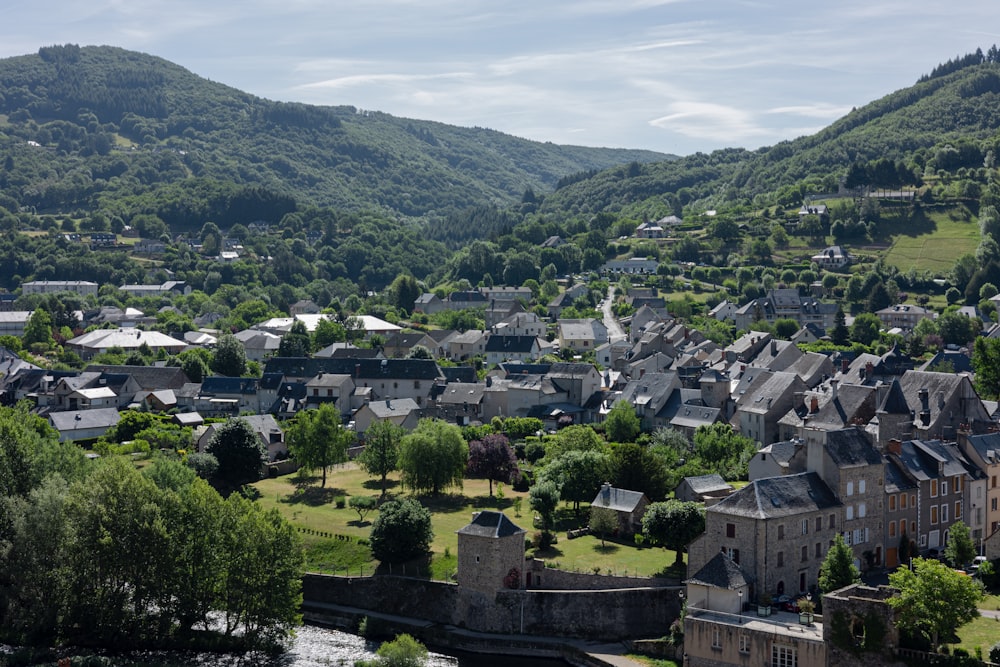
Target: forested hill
[120, 126]
[948, 120]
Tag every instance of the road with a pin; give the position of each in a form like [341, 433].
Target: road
[615, 331]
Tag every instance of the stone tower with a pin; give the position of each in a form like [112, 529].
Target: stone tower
[490, 553]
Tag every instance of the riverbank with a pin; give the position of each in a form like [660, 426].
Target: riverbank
[446, 637]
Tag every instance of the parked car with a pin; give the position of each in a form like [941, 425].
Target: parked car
[785, 603]
[976, 562]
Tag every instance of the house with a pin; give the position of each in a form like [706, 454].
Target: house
[650, 230]
[582, 335]
[631, 266]
[428, 303]
[904, 316]
[786, 304]
[703, 489]
[303, 307]
[221, 396]
[465, 345]
[466, 396]
[128, 339]
[401, 344]
[81, 287]
[779, 458]
[500, 348]
[403, 412]
[75, 425]
[13, 322]
[766, 401]
[385, 378]
[333, 388]
[520, 324]
[983, 451]
[629, 506]
[833, 257]
[163, 289]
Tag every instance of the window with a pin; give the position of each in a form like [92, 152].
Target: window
[892, 502]
[959, 484]
[913, 500]
[730, 530]
[819, 523]
[993, 505]
[850, 488]
[819, 550]
[892, 529]
[716, 638]
[862, 510]
[902, 501]
[944, 513]
[902, 527]
[781, 559]
[784, 656]
[993, 481]
[744, 643]
[923, 540]
[934, 514]
[805, 526]
[913, 528]
[732, 553]
[781, 531]
[805, 553]
[849, 512]
[847, 538]
[934, 488]
[833, 522]
[958, 510]
[861, 486]
[944, 488]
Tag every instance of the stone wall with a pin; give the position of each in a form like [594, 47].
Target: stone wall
[860, 627]
[594, 614]
[553, 579]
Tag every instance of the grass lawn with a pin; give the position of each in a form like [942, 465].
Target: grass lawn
[313, 511]
[932, 241]
[983, 632]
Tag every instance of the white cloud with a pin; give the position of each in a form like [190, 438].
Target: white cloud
[706, 120]
[818, 110]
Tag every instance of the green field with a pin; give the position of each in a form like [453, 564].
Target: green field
[313, 511]
[933, 241]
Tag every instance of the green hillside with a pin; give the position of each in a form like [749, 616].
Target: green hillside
[112, 123]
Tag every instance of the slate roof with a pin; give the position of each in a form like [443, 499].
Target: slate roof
[221, 384]
[459, 374]
[515, 344]
[147, 377]
[923, 459]
[782, 452]
[490, 524]
[76, 420]
[458, 393]
[399, 407]
[620, 500]
[765, 390]
[720, 572]
[306, 367]
[838, 412]
[895, 479]
[772, 497]
[987, 445]
[894, 402]
[851, 447]
[703, 484]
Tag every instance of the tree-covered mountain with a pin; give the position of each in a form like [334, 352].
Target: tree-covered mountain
[948, 120]
[123, 131]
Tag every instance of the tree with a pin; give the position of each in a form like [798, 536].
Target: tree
[401, 531]
[403, 292]
[838, 568]
[673, 525]
[603, 521]
[544, 499]
[362, 505]
[721, 448]
[933, 599]
[318, 438]
[239, 450]
[839, 334]
[230, 357]
[403, 651]
[636, 468]
[381, 453]
[433, 456]
[865, 329]
[38, 329]
[295, 343]
[622, 424]
[493, 458]
[578, 475]
[576, 437]
[960, 549]
[986, 363]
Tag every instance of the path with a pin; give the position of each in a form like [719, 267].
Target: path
[615, 331]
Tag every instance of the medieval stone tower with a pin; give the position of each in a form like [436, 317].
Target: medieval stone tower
[490, 553]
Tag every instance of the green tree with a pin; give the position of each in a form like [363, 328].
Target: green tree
[577, 437]
[318, 438]
[838, 568]
[865, 329]
[960, 549]
[239, 450]
[543, 498]
[933, 599]
[403, 292]
[636, 468]
[433, 457]
[328, 332]
[381, 453]
[622, 424]
[673, 524]
[986, 363]
[722, 449]
[578, 475]
[362, 505]
[230, 357]
[403, 651]
[295, 343]
[840, 334]
[401, 531]
[603, 521]
[38, 329]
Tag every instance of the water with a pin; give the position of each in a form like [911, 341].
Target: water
[324, 647]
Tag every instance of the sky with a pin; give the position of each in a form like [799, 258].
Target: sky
[674, 76]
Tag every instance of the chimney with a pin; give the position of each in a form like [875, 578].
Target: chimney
[814, 405]
[606, 492]
[895, 446]
[869, 369]
[357, 370]
[845, 365]
[940, 400]
[833, 389]
[774, 347]
[388, 402]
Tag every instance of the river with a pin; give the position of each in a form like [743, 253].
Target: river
[323, 647]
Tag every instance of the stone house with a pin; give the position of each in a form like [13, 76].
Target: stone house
[402, 412]
[336, 388]
[983, 451]
[833, 257]
[511, 348]
[703, 489]
[903, 316]
[520, 324]
[766, 400]
[582, 335]
[399, 344]
[465, 345]
[76, 425]
[629, 506]
[386, 378]
[776, 529]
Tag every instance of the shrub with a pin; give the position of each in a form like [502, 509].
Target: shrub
[534, 451]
